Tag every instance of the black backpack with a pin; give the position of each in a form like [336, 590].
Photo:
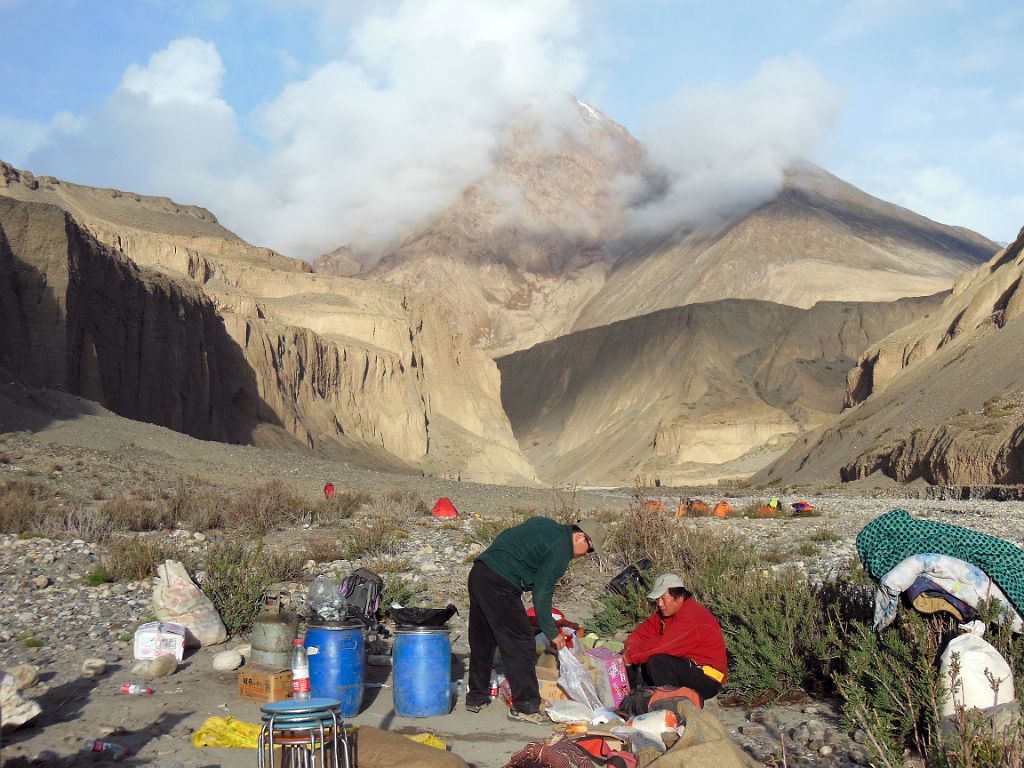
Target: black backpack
[361, 590]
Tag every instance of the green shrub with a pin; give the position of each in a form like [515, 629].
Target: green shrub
[97, 575]
[644, 532]
[341, 506]
[485, 531]
[257, 511]
[325, 550]
[22, 504]
[378, 538]
[778, 633]
[405, 592]
[237, 579]
[128, 514]
[613, 611]
[135, 558]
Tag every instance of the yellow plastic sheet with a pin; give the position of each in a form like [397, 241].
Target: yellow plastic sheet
[226, 732]
[430, 740]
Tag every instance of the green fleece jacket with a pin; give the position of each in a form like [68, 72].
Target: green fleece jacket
[532, 556]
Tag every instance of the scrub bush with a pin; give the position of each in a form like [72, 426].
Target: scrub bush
[237, 580]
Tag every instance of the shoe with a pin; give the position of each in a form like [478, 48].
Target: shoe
[528, 717]
[474, 708]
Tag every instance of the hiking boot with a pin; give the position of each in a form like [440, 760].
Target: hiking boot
[528, 717]
[474, 708]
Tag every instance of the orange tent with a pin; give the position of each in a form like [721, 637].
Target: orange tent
[693, 508]
[766, 510]
[653, 505]
[444, 508]
[723, 509]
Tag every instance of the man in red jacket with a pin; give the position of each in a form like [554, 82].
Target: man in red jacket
[681, 644]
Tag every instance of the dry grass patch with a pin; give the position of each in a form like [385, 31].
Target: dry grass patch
[22, 504]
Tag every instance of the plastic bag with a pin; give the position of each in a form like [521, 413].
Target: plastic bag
[575, 680]
[978, 660]
[422, 617]
[569, 712]
[324, 600]
[226, 732]
[176, 598]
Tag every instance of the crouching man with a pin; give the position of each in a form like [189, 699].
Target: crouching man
[680, 645]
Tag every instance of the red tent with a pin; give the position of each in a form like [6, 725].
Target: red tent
[444, 508]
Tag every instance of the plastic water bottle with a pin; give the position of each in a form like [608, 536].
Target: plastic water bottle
[116, 751]
[300, 672]
[494, 684]
[134, 689]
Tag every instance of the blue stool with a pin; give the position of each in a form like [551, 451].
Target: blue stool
[304, 731]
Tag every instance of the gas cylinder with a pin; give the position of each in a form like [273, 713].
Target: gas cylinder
[273, 634]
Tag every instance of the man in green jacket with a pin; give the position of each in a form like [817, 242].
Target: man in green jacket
[529, 557]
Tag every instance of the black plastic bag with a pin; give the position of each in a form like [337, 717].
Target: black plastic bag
[422, 617]
[632, 574]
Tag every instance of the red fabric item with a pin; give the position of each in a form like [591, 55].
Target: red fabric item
[693, 633]
[444, 508]
[329, 490]
[560, 621]
[556, 752]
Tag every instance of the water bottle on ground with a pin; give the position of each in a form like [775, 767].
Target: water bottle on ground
[494, 684]
[300, 672]
[134, 689]
[116, 751]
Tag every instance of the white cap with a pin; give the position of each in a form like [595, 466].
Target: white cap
[663, 584]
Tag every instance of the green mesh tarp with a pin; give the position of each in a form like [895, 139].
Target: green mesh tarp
[888, 540]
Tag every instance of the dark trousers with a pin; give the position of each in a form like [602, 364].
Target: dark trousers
[672, 672]
[497, 619]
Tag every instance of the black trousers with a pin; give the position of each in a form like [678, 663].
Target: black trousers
[672, 672]
[497, 619]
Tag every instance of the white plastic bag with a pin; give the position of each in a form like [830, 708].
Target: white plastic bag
[176, 598]
[569, 712]
[575, 680]
[976, 658]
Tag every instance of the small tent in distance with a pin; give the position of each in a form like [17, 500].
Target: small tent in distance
[444, 508]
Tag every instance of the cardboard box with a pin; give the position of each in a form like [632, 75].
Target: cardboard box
[264, 684]
[612, 670]
[159, 638]
[547, 679]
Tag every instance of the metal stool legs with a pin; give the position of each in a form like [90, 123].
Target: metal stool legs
[302, 735]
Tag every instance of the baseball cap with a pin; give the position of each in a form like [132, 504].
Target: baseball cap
[663, 584]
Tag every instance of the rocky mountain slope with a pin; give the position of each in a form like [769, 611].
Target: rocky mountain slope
[941, 400]
[540, 246]
[161, 314]
[692, 394]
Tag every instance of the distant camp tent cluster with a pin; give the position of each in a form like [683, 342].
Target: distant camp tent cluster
[699, 508]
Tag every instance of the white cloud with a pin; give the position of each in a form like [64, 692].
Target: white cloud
[856, 17]
[943, 195]
[721, 150]
[363, 148]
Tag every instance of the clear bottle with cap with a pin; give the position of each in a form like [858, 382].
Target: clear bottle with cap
[134, 689]
[116, 751]
[300, 672]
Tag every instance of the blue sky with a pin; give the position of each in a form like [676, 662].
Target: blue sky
[306, 123]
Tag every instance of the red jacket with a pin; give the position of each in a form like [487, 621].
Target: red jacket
[692, 633]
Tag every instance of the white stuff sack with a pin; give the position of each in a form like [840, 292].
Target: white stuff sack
[176, 598]
[575, 680]
[973, 689]
[569, 712]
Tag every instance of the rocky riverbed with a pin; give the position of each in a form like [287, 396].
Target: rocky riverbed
[56, 623]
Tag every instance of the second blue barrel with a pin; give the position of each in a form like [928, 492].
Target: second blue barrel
[422, 672]
[337, 665]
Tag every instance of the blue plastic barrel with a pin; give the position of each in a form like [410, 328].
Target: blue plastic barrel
[337, 665]
[422, 672]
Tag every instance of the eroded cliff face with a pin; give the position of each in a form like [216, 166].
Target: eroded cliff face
[692, 394]
[343, 367]
[78, 318]
[941, 400]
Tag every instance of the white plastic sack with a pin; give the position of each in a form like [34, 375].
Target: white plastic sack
[638, 739]
[973, 689]
[176, 598]
[575, 680]
[569, 712]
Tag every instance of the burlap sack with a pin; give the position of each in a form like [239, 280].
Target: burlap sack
[381, 749]
[705, 744]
